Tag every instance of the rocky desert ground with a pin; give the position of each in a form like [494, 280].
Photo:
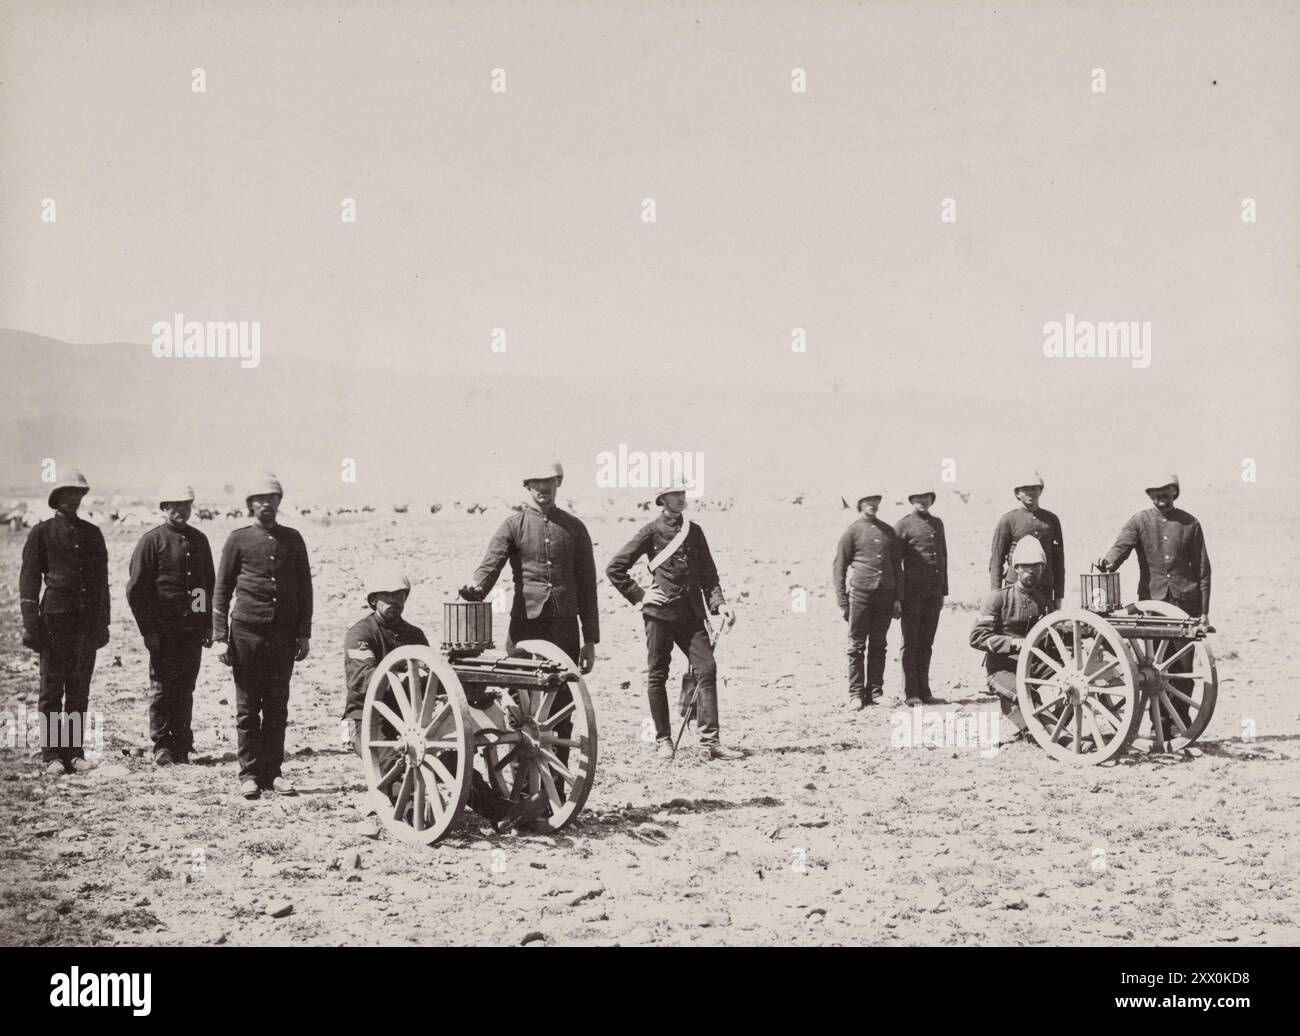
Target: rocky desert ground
[835, 829]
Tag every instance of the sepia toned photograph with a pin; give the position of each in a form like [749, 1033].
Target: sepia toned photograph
[630, 474]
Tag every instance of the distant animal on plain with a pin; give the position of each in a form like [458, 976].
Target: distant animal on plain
[397, 508]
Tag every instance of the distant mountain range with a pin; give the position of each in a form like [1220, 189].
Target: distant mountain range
[128, 417]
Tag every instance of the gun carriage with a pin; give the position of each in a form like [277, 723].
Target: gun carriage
[441, 728]
[1089, 678]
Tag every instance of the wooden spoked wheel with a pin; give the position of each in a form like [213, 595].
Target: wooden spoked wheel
[417, 744]
[1180, 679]
[540, 756]
[1077, 686]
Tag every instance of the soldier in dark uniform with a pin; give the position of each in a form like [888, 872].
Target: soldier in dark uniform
[1029, 520]
[265, 566]
[69, 623]
[1006, 615]
[1173, 564]
[170, 594]
[364, 647]
[925, 585]
[373, 637]
[554, 568]
[870, 556]
[683, 577]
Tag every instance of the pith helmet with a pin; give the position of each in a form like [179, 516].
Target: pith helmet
[923, 492]
[263, 483]
[386, 577]
[72, 478]
[545, 466]
[174, 490]
[1165, 479]
[1028, 551]
[1029, 478]
[678, 486]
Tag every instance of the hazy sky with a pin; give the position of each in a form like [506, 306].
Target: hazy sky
[775, 209]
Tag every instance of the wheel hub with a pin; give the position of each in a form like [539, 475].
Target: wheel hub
[530, 734]
[412, 737]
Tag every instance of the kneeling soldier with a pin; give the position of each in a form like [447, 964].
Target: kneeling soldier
[265, 567]
[170, 594]
[684, 575]
[1005, 617]
[374, 636]
[69, 623]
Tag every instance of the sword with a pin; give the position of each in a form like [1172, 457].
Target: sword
[714, 637]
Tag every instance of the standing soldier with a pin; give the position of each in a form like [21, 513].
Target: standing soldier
[1006, 615]
[1173, 565]
[684, 575]
[554, 572]
[265, 566]
[925, 585]
[870, 556]
[1029, 520]
[170, 594]
[69, 623]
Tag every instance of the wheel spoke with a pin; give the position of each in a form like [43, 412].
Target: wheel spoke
[445, 745]
[1172, 713]
[1058, 643]
[1186, 676]
[1075, 643]
[388, 714]
[404, 795]
[436, 806]
[554, 740]
[443, 773]
[399, 693]
[552, 792]
[551, 721]
[1100, 706]
[1098, 742]
[420, 780]
[443, 713]
[391, 772]
[1061, 721]
[558, 766]
[382, 744]
[1092, 650]
[1078, 730]
[1158, 650]
[1184, 698]
[1104, 669]
[1048, 704]
[505, 760]
[1164, 666]
[543, 699]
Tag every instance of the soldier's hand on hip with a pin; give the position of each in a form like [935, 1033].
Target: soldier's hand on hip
[304, 648]
[102, 638]
[153, 642]
[587, 658]
[653, 596]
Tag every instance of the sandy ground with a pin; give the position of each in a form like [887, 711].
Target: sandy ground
[829, 832]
